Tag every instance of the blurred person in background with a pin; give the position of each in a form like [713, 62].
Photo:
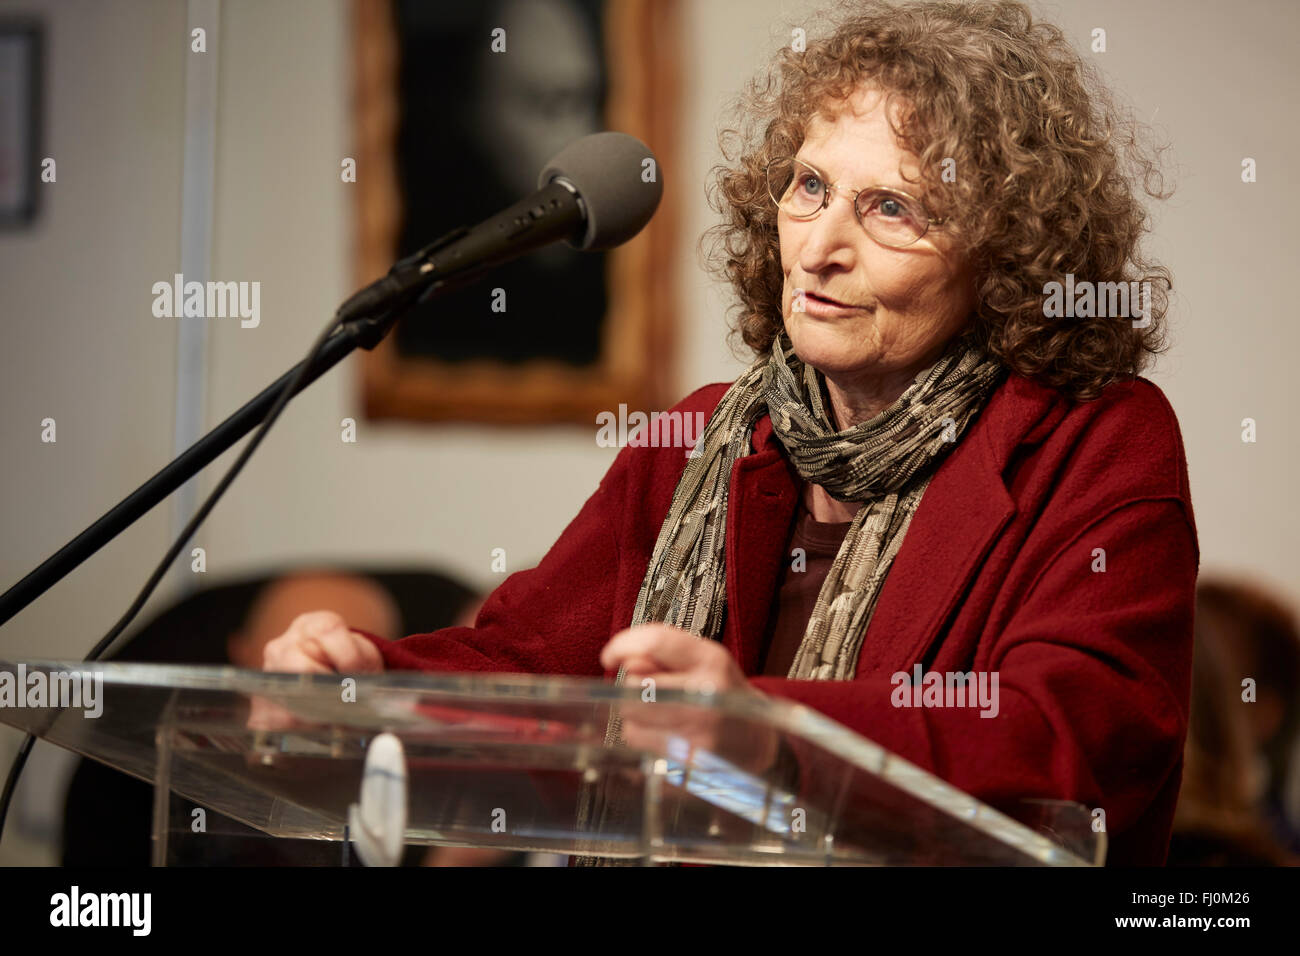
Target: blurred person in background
[1232, 811]
[1234, 807]
[108, 815]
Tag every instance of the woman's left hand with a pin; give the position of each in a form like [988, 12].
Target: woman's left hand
[674, 659]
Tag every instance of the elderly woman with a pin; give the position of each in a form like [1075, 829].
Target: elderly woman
[929, 465]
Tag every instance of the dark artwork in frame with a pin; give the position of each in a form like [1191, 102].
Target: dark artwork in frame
[484, 114]
[457, 109]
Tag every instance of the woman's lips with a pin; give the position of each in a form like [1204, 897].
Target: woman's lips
[821, 306]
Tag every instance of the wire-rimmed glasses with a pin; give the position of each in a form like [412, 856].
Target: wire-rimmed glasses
[890, 216]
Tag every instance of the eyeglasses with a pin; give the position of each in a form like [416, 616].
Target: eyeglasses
[890, 216]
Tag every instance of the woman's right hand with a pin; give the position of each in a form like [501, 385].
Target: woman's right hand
[319, 642]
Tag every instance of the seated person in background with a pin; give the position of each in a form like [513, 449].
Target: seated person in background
[284, 599]
[108, 816]
[1232, 809]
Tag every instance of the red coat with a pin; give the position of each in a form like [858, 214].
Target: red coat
[996, 573]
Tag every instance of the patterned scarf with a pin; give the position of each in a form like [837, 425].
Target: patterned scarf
[885, 463]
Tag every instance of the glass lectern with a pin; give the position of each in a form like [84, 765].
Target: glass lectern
[521, 763]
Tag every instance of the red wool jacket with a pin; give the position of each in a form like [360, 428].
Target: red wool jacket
[1000, 570]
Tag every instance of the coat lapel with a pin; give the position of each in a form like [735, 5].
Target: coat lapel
[964, 509]
[761, 504]
[961, 513]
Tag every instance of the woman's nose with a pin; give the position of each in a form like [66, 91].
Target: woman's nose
[831, 238]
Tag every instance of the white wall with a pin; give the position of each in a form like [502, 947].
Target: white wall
[78, 344]
[81, 345]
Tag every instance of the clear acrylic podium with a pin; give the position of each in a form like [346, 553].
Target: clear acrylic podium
[512, 762]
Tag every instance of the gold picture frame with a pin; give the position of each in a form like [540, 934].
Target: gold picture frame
[635, 363]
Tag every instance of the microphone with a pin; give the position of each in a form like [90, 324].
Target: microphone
[596, 193]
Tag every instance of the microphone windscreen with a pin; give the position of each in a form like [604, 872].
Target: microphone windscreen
[619, 181]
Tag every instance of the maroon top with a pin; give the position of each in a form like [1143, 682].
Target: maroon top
[801, 582]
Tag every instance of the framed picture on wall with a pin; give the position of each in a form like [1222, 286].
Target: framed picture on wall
[20, 121]
[457, 109]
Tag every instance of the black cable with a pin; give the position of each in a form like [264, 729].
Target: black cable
[290, 389]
